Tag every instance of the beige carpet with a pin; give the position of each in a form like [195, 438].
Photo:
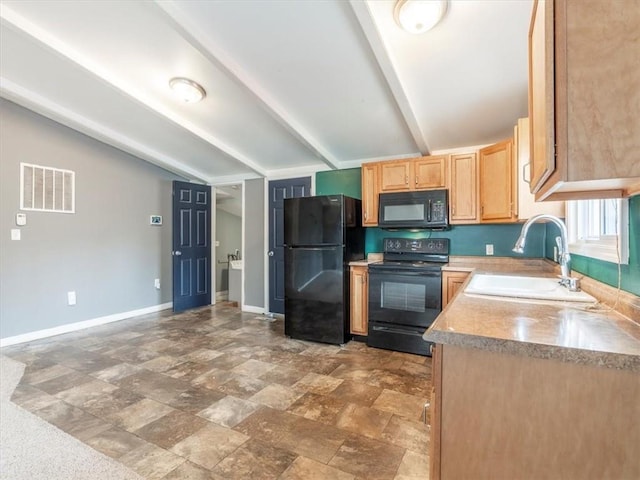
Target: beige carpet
[33, 449]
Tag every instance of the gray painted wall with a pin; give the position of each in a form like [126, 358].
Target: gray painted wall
[107, 252]
[254, 243]
[229, 234]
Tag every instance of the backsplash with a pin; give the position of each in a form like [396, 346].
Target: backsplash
[470, 240]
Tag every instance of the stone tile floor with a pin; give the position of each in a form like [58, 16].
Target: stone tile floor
[215, 393]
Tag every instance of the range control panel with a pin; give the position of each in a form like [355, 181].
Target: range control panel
[438, 246]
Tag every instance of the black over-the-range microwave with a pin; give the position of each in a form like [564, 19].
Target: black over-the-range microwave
[422, 209]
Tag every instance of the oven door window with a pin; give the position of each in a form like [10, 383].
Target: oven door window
[405, 298]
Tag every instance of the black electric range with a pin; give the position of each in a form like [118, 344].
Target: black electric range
[405, 293]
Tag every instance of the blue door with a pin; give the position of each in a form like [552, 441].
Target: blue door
[191, 245]
[278, 191]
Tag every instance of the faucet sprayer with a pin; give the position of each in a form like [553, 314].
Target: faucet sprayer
[564, 258]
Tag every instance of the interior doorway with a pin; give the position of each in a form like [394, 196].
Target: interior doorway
[228, 243]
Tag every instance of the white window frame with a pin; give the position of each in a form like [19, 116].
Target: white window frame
[609, 248]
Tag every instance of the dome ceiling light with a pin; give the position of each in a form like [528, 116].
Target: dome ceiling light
[187, 90]
[418, 16]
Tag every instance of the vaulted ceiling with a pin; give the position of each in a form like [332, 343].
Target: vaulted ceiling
[292, 86]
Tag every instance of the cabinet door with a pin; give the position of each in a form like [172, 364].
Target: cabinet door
[497, 183]
[430, 172]
[541, 94]
[394, 176]
[464, 188]
[370, 194]
[527, 206]
[451, 283]
[359, 300]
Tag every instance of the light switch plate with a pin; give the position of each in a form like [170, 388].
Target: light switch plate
[15, 234]
[21, 219]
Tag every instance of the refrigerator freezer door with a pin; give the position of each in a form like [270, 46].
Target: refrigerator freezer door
[314, 220]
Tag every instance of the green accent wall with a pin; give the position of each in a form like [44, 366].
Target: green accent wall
[470, 240]
[607, 272]
[339, 182]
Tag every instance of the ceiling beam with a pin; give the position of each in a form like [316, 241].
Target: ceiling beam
[58, 113]
[10, 18]
[381, 54]
[201, 42]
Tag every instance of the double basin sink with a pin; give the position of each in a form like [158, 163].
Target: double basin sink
[523, 287]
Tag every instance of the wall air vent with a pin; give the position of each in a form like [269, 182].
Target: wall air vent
[47, 189]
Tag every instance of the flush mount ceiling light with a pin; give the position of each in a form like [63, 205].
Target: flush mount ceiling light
[187, 90]
[418, 16]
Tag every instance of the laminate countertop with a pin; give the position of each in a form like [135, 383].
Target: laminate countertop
[542, 329]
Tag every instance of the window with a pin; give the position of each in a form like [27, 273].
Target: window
[599, 229]
[47, 189]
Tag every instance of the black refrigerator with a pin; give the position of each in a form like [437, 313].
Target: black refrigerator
[321, 236]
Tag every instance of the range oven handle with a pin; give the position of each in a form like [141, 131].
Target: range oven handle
[396, 330]
[404, 273]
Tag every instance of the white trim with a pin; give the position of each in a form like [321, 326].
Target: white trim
[605, 248]
[243, 221]
[253, 309]
[265, 207]
[72, 327]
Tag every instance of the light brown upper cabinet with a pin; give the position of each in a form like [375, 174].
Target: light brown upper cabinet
[527, 206]
[463, 193]
[421, 173]
[584, 89]
[498, 190]
[430, 172]
[370, 194]
[395, 175]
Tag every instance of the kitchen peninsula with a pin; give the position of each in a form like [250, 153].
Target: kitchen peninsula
[532, 386]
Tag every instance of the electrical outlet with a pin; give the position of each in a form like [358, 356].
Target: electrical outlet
[15, 234]
[488, 249]
[156, 283]
[71, 298]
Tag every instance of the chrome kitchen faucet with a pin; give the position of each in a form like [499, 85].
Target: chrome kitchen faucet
[564, 258]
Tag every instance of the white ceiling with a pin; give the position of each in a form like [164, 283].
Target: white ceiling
[292, 86]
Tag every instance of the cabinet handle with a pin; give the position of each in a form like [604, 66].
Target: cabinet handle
[426, 407]
[524, 176]
[365, 215]
[406, 180]
[416, 179]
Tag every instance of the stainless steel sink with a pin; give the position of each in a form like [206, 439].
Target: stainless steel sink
[539, 288]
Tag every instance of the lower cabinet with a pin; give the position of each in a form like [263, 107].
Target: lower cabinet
[498, 415]
[451, 283]
[359, 309]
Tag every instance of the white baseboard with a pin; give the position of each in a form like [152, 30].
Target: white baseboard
[252, 309]
[72, 327]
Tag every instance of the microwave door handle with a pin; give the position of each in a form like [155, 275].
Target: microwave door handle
[429, 211]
